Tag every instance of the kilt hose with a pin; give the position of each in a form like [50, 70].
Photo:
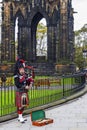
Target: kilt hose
[19, 99]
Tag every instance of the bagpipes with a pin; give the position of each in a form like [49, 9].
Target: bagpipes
[29, 71]
[28, 77]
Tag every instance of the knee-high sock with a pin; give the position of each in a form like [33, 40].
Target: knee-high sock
[20, 111]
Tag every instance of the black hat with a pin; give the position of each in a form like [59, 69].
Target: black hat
[20, 66]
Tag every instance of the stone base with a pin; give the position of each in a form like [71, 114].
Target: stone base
[65, 69]
[41, 69]
[8, 69]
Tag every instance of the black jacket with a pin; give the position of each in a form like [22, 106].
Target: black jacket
[20, 82]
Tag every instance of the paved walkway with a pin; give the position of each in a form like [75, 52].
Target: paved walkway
[69, 116]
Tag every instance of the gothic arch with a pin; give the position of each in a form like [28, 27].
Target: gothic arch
[18, 14]
[40, 13]
[34, 22]
[60, 35]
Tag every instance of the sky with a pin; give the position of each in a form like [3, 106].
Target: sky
[80, 18]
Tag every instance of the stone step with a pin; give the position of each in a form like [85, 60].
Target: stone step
[43, 68]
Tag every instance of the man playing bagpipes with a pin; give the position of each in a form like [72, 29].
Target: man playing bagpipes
[23, 84]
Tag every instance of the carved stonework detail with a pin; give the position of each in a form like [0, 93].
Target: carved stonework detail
[22, 9]
[33, 3]
[42, 3]
[52, 5]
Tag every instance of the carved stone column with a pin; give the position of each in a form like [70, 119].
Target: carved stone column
[7, 45]
[51, 56]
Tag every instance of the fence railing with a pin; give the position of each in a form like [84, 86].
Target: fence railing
[44, 91]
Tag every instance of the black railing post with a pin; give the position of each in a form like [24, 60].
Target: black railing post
[63, 87]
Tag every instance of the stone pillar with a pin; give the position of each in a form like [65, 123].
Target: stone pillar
[51, 53]
[33, 44]
[29, 45]
[22, 34]
[63, 34]
[12, 41]
[7, 44]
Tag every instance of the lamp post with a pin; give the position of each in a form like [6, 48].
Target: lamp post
[84, 56]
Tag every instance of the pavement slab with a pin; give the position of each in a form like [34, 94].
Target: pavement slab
[68, 116]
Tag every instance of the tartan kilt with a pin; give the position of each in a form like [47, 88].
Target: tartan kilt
[18, 100]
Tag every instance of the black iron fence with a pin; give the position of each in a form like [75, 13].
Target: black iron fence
[45, 90]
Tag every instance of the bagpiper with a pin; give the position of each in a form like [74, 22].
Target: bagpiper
[23, 84]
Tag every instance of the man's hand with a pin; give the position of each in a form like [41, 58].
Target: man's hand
[27, 87]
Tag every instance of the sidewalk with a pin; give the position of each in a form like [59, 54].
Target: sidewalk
[69, 116]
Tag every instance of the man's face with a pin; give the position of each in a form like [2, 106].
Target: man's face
[21, 71]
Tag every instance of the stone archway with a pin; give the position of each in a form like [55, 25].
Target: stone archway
[60, 37]
[33, 27]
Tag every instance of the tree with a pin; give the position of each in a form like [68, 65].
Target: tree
[79, 60]
[80, 46]
[41, 39]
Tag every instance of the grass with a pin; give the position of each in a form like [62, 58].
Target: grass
[37, 97]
